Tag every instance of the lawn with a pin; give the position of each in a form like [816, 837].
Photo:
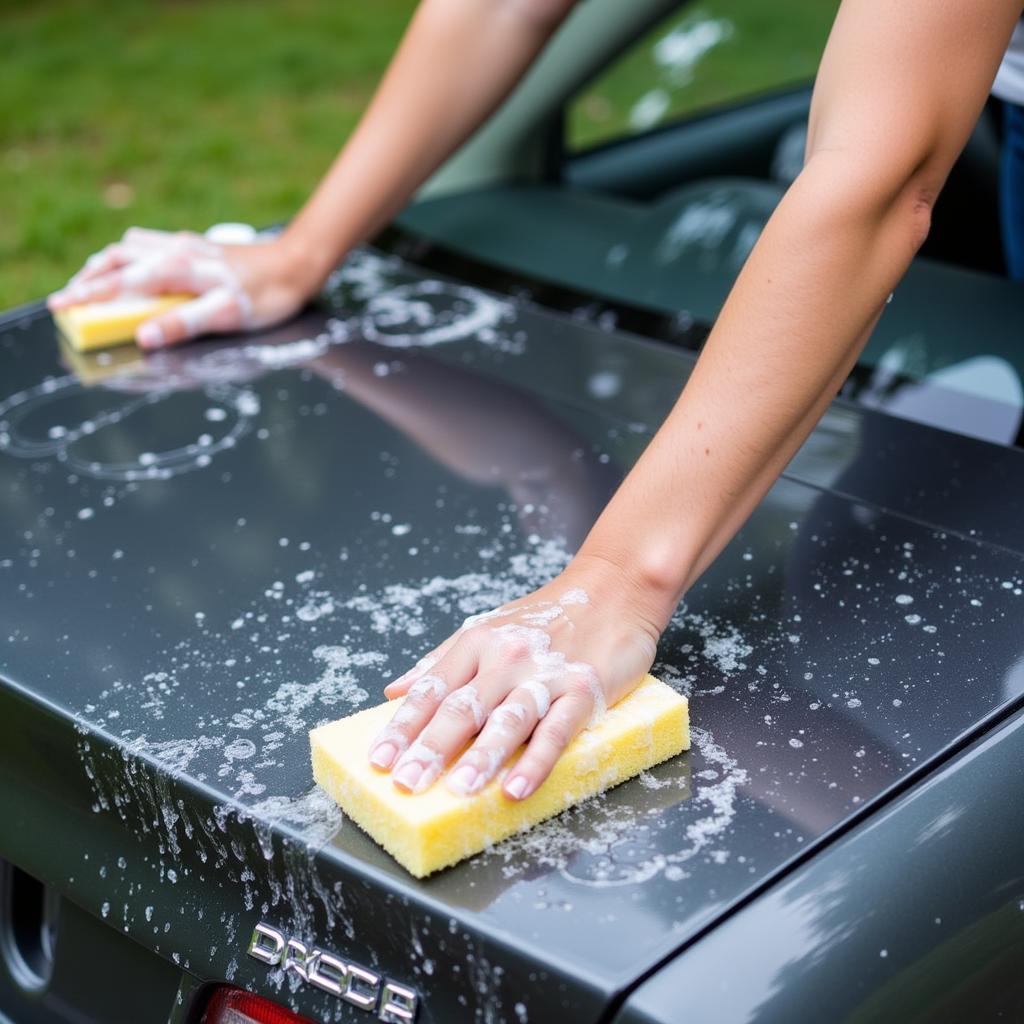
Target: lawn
[173, 114]
[180, 114]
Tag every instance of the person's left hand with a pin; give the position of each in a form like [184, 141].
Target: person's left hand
[539, 669]
[236, 287]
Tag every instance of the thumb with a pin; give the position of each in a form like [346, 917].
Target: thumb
[220, 309]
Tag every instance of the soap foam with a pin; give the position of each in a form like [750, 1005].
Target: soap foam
[467, 698]
[540, 693]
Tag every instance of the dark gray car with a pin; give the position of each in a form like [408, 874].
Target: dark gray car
[209, 551]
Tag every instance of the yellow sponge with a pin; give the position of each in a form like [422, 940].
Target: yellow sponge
[434, 829]
[95, 325]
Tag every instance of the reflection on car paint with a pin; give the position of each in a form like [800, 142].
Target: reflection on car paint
[420, 314]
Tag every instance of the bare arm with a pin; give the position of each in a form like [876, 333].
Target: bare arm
[899, 88]
[458, 60]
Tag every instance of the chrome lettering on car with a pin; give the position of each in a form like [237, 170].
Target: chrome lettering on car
[391, 1001]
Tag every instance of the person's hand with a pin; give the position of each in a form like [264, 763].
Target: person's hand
[237, 287]
[539, 669]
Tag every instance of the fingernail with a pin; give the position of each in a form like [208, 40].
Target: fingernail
[383, 755]
[149, 336]
[461, 780]
[517, 787]
[408, 775]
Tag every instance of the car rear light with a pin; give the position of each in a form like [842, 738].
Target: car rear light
[233, 1006]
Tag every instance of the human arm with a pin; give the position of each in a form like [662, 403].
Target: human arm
[457, 61]
[899, 88]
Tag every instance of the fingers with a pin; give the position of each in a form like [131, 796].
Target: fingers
[402, 684]
[218, 310]
[569, 714]
[476, 686]
[147, 275]
[508, 727]
[136, 244]
[399, 737]
[456, 719]
[111, 258]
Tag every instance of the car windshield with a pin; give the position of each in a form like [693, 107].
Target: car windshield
[674, 156]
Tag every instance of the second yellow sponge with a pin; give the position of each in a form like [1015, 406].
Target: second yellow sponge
[94, 325]
[431, 830]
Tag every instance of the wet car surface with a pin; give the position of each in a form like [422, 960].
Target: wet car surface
[216, 549]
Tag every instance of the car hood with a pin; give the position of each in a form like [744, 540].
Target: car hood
[210, 551]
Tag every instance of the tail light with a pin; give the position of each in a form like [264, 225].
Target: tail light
[233, 1006]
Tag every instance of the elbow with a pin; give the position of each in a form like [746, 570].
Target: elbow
[912, 206]
[879, 193]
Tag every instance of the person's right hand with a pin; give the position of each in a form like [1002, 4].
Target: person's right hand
[237, 287]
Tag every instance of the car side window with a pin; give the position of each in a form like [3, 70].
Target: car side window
[705, 55]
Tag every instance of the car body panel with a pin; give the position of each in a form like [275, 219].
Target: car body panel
[220, 547]
[916, 915]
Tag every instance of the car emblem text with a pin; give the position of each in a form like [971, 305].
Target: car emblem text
[392, 1002]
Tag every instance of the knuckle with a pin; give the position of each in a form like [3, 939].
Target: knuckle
[514, 651]
[423, 750]
[510, 717]
[175, 262]
[406, 719]
[580, 689]
[471, 633]
[427, 691]
[456, 711]
[463, 706]
[478, 756]
[555, 732]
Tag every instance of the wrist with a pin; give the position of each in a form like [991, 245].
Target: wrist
[308, 262]
[652, 595]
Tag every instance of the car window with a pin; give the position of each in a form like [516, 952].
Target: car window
[704, 55]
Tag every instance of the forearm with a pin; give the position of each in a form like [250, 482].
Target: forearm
[459, 59]
[899, 88]
[799, 314]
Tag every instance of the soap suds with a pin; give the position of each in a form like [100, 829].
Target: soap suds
[467, 698]
[594, 844]
[429, 686]
[540, 693]
[510, 717]
[239, 408]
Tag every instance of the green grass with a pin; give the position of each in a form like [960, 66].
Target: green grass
[172, 114]
[186, 112]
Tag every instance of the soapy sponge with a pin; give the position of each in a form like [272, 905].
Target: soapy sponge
[94, 325]
[437, 828]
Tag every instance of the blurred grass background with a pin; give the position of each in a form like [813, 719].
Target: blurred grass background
[173, 114]
[183, 113]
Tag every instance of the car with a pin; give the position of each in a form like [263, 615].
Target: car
[210, 550]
